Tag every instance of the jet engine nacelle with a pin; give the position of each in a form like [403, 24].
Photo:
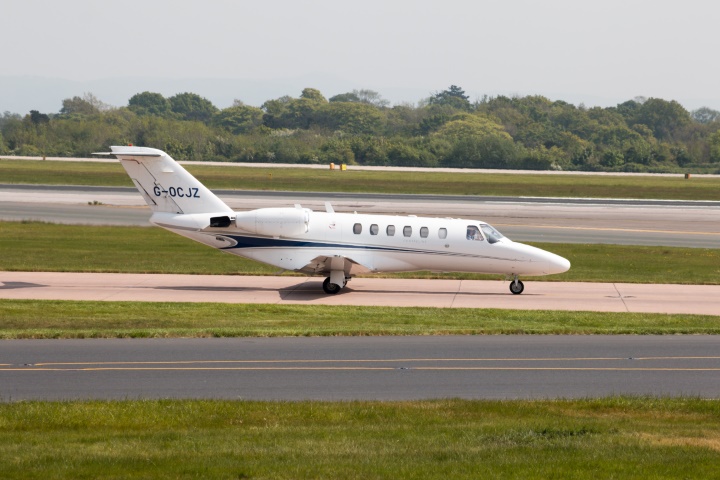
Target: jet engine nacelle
[274, 222]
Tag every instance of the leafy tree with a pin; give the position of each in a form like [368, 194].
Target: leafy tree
[491, 151]
[715, 147]
[705, 115]
[3, 146]
[433, 123]
[612, 158]
[345, 97]
[313, 95]
[665, 119]
[403, 120]
[149, 103]
[337, 150]
[350, 117]
[370, 97]
[629, 110]
[38, 118]
[239, 119]
[190, 106]
[467, 125]
[277, 112]
[453, 96]
[78, 105]
[405, 154]
[530, 132]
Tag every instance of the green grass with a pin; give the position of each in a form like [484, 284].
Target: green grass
[297, 179]
[621, 437]
[32, 246]
[89, 319]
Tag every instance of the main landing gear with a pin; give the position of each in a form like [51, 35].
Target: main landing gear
[516, 286]
[333, 288]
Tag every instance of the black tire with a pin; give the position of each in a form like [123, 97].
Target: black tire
[331, 288]
[516, 287]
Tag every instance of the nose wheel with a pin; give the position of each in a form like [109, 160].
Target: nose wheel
[516, 287]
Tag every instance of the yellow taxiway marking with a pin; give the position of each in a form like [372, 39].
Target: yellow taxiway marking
[356, 365]
[370, 360]
[266, 369]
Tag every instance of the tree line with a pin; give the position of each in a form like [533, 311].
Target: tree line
[360, 127]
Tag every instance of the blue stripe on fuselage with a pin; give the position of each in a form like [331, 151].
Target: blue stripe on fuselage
[267, 242]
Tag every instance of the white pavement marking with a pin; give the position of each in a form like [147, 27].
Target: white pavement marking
[604, 297]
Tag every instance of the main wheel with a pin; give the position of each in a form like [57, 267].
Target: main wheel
[331, 288]
[516, 287]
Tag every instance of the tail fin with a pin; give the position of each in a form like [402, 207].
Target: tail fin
[164, 184]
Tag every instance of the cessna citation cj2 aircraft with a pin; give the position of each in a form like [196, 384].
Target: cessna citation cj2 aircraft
[335, 245]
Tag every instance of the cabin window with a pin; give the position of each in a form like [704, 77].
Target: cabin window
[442, 233]
[390, 230]
[357, 229]
[424, 232]
[473, 233]
[407, 231]
[374, 229]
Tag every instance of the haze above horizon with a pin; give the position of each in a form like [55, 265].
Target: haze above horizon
[597, 54]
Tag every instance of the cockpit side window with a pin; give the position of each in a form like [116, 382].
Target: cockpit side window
[473, 233]
[491, 234]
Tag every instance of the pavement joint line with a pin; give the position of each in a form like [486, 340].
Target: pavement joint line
[457, 292]
[621, 297]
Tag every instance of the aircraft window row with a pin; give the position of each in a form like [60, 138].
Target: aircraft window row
[407, 230]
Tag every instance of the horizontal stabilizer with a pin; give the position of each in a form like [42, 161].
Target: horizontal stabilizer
[127, 154]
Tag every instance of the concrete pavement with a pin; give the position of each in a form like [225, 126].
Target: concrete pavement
[603, 297]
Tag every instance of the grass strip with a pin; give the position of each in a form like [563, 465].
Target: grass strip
[441, 183]
[34, 246]
[618, 437]
[21, 319]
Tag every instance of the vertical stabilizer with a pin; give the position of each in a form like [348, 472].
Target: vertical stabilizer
[165, 185]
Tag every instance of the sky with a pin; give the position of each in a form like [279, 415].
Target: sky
[592, 52]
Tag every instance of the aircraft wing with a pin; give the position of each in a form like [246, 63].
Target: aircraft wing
[324, 264]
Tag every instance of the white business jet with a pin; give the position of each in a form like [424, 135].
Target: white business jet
[335, 245]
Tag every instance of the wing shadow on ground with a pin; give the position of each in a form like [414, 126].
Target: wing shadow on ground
[312, 290]
[14, 285]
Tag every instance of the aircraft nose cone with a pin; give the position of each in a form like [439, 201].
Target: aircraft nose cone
[558, 264]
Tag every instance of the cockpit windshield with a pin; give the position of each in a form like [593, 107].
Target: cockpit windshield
[491, 234]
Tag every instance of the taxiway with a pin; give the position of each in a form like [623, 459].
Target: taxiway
[605, 297]
[362, 368]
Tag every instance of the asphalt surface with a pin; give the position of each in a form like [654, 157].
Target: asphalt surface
[631, 222]
[361, 368]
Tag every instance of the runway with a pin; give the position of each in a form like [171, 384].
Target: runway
[604, 297]
[361, 368]
[630, 222]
